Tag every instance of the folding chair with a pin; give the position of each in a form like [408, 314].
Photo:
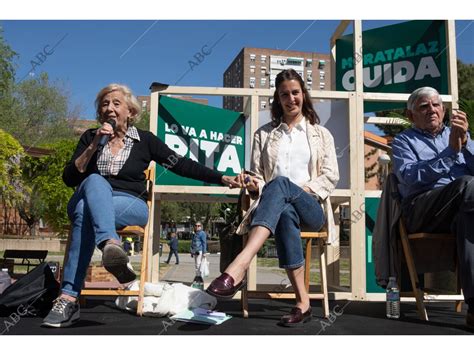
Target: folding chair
[321, 238]
[408, 240]
[423, 295]
[142, 232]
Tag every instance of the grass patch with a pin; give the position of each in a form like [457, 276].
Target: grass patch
[315, 278]
[267, 262]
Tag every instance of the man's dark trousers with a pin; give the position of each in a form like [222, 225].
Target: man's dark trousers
[448, 209]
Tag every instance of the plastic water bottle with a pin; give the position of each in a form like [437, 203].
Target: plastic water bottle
[5, 280]
[198, 283]
[393, 299]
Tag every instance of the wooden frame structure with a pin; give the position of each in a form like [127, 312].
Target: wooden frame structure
[356, 194]
[321, 239]
[197, 193]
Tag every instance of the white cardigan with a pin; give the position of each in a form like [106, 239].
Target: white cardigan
[324, 172]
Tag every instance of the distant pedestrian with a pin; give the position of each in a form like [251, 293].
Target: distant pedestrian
[136, 246]
[173, 243]
[198, 246]
[127, 245]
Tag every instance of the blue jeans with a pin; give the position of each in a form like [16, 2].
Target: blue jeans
[175, 253]
[284, 208]
[96, 211]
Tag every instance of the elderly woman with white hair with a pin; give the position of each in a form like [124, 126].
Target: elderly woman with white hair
[111, 192]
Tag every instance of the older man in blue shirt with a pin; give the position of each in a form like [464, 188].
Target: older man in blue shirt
[434, 164]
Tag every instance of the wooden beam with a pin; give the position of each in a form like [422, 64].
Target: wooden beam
[389, 121]
[215, 91]
[392, 97]
[332, 44]
[252, 270]
[356, 136]
[339, 30]
[153, 257]
[220, 91]
[452, 63]
[179, 197]
[196, 189]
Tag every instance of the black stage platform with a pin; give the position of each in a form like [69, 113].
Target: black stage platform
[100, 317]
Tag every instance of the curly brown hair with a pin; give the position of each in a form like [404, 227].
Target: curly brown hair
[277, 110]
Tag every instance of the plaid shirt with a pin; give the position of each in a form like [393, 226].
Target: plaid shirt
[107, 163]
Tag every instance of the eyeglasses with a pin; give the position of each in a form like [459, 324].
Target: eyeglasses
[197, 225]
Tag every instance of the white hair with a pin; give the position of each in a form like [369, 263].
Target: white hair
[130, 100]
[424, 91]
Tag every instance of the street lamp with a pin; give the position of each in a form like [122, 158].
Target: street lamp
[225, 214]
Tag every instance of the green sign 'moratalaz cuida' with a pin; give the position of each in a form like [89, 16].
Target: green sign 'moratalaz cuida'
[396, 59]
[215, 137]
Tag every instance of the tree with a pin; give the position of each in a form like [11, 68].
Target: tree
[468, 107]
[228, 211]
[372, 170]
[11, 153]
[40, 111]
[48, 195]
[172, 211]
[203, 212]
[144, 122]
[34, 111]
[465, 82]
[7, 69]
[7, 76]
[466, 92]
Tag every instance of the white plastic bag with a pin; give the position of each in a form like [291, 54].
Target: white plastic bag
[164, 299]
[204, 267]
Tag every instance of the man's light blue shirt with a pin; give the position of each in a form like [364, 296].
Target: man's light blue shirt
[424, 162]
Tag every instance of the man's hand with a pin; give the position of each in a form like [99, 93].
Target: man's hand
[459, 126]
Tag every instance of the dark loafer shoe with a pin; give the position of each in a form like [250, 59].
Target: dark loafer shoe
[223, 286]
[296, 318]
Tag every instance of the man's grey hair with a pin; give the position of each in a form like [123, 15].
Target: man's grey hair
[424, 91]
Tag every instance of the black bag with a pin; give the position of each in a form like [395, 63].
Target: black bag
[32, 295]
[231, 244]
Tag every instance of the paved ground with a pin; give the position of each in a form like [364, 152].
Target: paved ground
[185, 271]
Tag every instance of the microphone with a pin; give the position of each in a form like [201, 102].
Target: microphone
[105, 138]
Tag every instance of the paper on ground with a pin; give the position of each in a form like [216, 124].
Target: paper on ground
[201, 316]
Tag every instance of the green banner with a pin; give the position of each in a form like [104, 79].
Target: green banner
[212, 136]
[396, 59]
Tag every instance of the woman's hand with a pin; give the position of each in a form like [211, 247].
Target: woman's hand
[106, 129]
[231, 181]
[248, 181]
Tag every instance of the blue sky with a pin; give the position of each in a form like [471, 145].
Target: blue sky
[91, 54]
